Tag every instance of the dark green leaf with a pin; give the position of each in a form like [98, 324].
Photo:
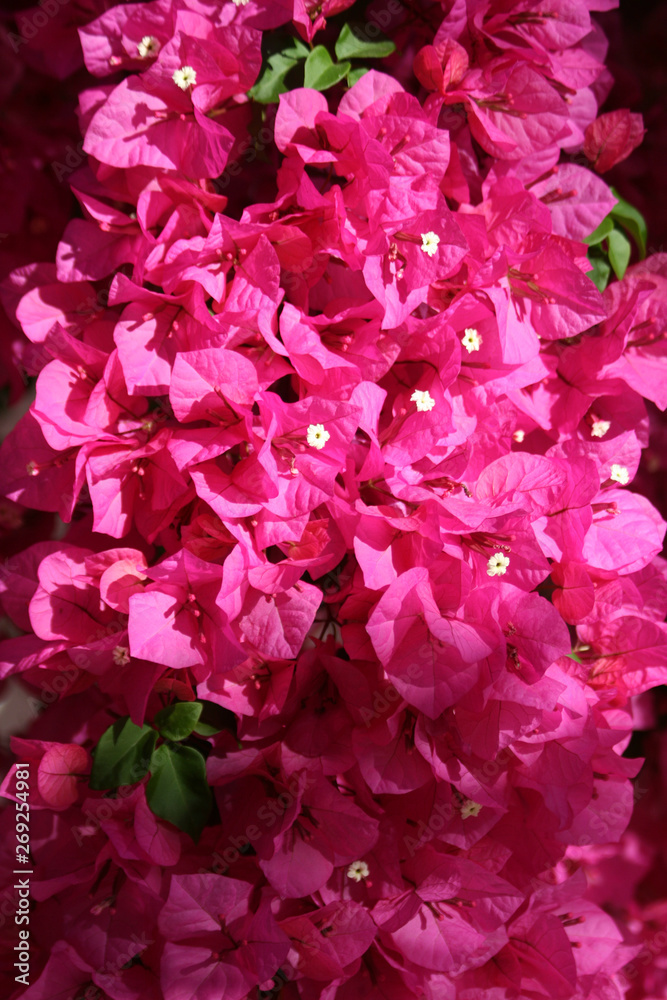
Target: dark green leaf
[122, 757]
[214, 718]
[321, 72]
[178, 720]
[271, 83]
[632, 221]
[619, 252]
[354, 43]
[601, 233]
[600, 273]
[177, 790]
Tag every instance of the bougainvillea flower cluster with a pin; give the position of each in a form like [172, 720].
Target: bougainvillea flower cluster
[340, 379]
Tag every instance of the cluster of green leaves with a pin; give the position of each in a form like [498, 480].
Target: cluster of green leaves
[177, 789]
[610, 246]
[283, 55]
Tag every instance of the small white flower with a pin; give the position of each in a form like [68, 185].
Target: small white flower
[619, 474]
[430, 243]
[121, 656]
[148, 46]
[497, 564]
[471, 340]
[239, 3]
[424, 400]
[358, 870]
[185, 77]
[519, 436]
[470, 808]
[317, 436]
[600, 427]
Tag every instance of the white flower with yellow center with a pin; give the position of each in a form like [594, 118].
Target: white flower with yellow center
[430, 243]
[185, 77]
[497, 564]
[148, 46]
[470, 808]
[358, 870]
[317, 436]
[423, 400]
[619, 474]
[471, 340]
[600, 427]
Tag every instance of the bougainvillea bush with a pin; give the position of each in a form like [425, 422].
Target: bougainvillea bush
[332, 586]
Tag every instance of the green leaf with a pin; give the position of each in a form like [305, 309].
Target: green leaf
[177, 790]
[619, 252]
[271, 83]
[573, 656]
[600, 273]
[214, 718]
[295, 49]
[354, 44]
[123, 755]
[178, 720]
[206, 729]
[321, 72]
[601, 233]
[632, 221]
[356, 74]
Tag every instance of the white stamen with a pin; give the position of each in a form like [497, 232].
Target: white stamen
[519, 436]
[430, 243]
[471, 340]
[32, 468]
[470, 808]
[185, 77]
[148, 46]
[497, 564]
[239, 3]
[121, 656]
[599, 428]
[424, 400]
[358, 870]
[317, 436]
[619, 474]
